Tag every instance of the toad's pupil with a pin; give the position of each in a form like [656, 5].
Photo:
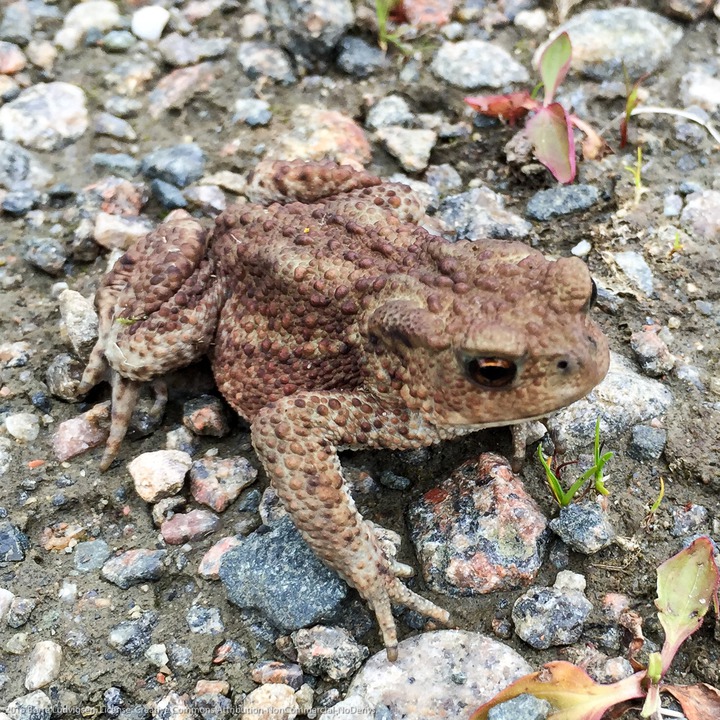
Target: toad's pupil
[491, 372]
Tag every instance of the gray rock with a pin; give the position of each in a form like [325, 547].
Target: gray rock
[522, 707]
[329, 652]
[122, 106]
[583, 526]
[310, 28]
[204, 620]
[14, 165]
[179, 51]
[688, 519]
[133, 637]
[701, 89]
[687, 9]
[20, 610]
[118, 41]
[445, 673]
[167, 194]
[91, 555]
[63, 377]
[134, 567]
[388, 111]
[278, 574]
[647, 443]
[252, 112]
[46, 116]
[702, 214]
[476, 63]
[47, 254]
[623, 399]
[651, 351]
[444, 178]
[179, 165]
[33, 706]
[117, 163]
[13, 543]
[262, 60]
[80, 321]
[20, 202]
[411, 147]
[106, 124]
[480, 213]
[605, 41]
[359, 58]
[550, 616]
[479, 531]
[635, 267]
[17, 23]
[672, 205]
[561, 200]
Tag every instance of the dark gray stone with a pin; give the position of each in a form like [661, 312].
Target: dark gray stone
[14, 165]
[252, 112]
[133, 637]
[17, 24]
[688, 519]
[278, 574]
[262, 60]
[359, 58]
[584, 527]
[63, 377]
[179, 164]
[647, 443]
[20, 610]
[522, 707]
[204, 620]
[20, 202]
[561, 200]
[118, 41]
[117, 163]
[47, 254]
[134, 567]
[167, 194]
[91, 555]
[13, 543]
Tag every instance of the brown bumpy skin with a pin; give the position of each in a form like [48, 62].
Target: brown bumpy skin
[335, 321]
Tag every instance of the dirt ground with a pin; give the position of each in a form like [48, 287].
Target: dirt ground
[105, 505]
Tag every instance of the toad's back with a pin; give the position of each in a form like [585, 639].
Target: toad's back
[296, 279]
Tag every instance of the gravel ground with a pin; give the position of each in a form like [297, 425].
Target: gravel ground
[173, 583]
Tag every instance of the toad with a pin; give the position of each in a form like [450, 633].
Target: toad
[333, 320]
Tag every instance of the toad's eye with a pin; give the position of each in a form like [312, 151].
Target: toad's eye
[491, 372]
[593, 296]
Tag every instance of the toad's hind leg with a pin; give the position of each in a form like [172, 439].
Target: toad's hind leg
[158, 311]
[297, 439]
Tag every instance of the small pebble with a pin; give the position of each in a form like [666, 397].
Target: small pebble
[216, 483]
[561, 200]
[330, 652]
[106, 124]
[79, 320]
[209, 567]
[186, 527]
[391, 110]
[134, 567]
[178, 165]
[91, 555]
[20, 610]
[133, 637]
[584, 526]
[46, 254]
[23, 426]
[522, 707]
[149, 22]
[206, 415]
[204, 620]
[271, 701]
[688, 519]
[75, 436]
[651, 352]
[43, 665]
[647, 443]
[411, 147]
[167, 194]
[34, 706]
[271, 671]
[252, 112]
[159, 474]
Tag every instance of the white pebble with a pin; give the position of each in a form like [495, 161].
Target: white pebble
[44, 664]
[568, 580]
[582, 249]
[68, 592]
[23, 426]
[149, 22]
[6, 598]
[159, 474]
[157, 655]
[533, 21]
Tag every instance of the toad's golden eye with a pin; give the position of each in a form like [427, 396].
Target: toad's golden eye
[491, 372]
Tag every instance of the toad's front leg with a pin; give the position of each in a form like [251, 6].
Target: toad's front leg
[297, 440]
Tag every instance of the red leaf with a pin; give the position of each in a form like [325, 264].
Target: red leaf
[510, 107]
[551, 134]
[699, 702]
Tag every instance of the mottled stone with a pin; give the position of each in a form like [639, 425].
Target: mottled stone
[46, 254]
[442, 674]
[43, 665]
[271, 701]
[179, 50]
[75, 436]
[328, 651]
[584, 526]
[177, 88]
[186, 527]
[472, 64]
[391, 110]
[261, 60]
[133, 637]
[79, 321]
[651, 352]
[272, 671]
[46, 116]
[688, 519]
[209, 567]
[204, 620]
[216, 483]
[479, 531]
[561, 200]
[13, 543]
[278, 574]
[33, 706]
[134, 567]
[91, 555]
[359, 58]
[702, 214]
[179, 164]
[159, 474]
[205, 415]
[647, 443]
[119, 231]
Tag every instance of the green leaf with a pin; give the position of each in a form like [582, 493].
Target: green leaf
[571, 692]
[554, 64]
[550, 132]
[687, 585]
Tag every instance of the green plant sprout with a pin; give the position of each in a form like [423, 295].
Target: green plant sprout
[550, 128]
[677, 246]
[656, 505]
[564, 497]
[636, 172]
[383, 10]
[687, 585]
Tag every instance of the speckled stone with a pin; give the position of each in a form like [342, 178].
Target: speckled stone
[647, 443]
[79, 320]
[273, 700]
[33, 706]
[261, 60]
[91, 555]
[133, 637]
[561, 200]
[217, 482]
[651, 352]
[205, 415]
[13, 543]
[177, 88]
[277, 573]
[330, 652]
[159, 474]
[134, 567]
[272, 671]
[549, 616]
[623, 399]
[46, 254]
[480, 213]
[186, 527]
[390, 110]
[437, 675]
[77, 435]
[605, 41]
[479, 531]
[688, 519]
[179, 164]
[583, 526]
